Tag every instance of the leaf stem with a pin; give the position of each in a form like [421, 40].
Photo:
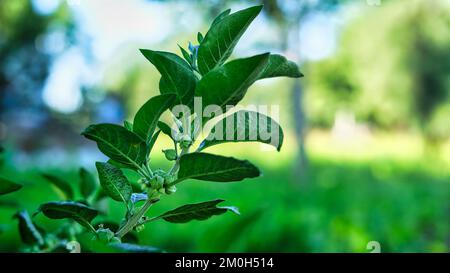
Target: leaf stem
[135, 218]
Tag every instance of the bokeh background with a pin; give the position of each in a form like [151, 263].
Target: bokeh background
[367, 151]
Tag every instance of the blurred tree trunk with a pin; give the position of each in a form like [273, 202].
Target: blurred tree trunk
[290, 27]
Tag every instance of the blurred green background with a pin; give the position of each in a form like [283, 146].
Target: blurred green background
[367, 151]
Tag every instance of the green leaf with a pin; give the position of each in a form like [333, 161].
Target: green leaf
[118, 143]
[219, 17]
[29, 233]
[222, 37]
[198, 211]
[69, 210]
[247, 126]
[147, 117]
[88, 185]
[153, 141]
[279, 66]
[228, 84]
[185, 54]
[114, 182]
[128, 125]
[7, 186]
[199, 37]
[166, 129]
[176, 75]
[61, 185]
[209, 167]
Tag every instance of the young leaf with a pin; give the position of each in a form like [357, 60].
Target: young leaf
[88, 185]
[176, 75]
[128, 125]
[118, 143]
[246, 126]
[209, 167]
[222, 37]
[29, 233]
[227, 85]
[7, 186]
[199, 37]
[198, 211]
[69, 210]
[147, 117]
[62, 185]
[185, 54]
[114, 182]
[279, 66]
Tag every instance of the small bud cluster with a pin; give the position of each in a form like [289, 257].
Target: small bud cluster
[160, 183]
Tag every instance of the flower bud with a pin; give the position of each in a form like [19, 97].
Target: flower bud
[185, 142]
[170, 154]
[139, 228]
[171, 189]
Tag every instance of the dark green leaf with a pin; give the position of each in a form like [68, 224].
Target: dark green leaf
[118, 143]
[114, 182]
[199, 37]
[69, 210]
[153, 141]
[166, 129]
[128, 125]
[222, 15]
[88, 185]
[186, 55]
[176, 75]
[62, 186]
[7, 186]
[279, 66]
[245, 126]
[203, 166]
[29, 233]
[222, 37]
[198, 211]
[147, 117]
[228, 84]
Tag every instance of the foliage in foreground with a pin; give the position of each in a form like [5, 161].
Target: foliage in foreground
[203, 73]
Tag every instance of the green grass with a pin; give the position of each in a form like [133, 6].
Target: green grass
[381, 187]
[340, 208]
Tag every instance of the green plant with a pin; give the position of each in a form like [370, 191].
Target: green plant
[204, 73]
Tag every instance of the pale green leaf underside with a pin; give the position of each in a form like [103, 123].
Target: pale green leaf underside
[245, 126]
[118, 143]
[279, 66]
[209, 167]
[198, 211]
[114, 182]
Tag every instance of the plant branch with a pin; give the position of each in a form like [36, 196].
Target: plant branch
[135, 218]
